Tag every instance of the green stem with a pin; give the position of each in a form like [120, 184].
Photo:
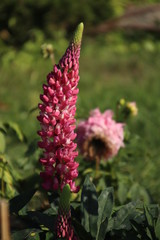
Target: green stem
[117, 112]
[2, 187]
[52, 58]
[97, 167]
[2, 181]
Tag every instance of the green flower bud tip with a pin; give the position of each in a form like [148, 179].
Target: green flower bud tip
[64, 204]
[78, 34]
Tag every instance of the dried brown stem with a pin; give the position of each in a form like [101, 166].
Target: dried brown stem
[4, 221]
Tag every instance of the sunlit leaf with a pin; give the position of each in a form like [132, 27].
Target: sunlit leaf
[2, 143]
[88, 170]
[5, 173]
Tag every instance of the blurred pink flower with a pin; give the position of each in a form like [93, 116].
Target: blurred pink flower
[57, 119]
[100, 136]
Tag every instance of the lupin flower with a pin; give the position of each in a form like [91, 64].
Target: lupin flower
[57, 119]
[64, 228]
[100, 137]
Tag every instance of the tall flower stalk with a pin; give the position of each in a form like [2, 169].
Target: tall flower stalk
[57, 120]
[64, 228]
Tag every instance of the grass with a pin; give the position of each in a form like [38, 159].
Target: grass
[109, 71]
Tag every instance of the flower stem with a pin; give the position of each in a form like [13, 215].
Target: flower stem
[2, 180]
[97, 167]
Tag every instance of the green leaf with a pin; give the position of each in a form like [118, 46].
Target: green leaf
[7, 189]
[49, 236]
[137, 191]
[150, 222]
[88, 170]
[5, 173]
[26, 234]
[105, 204]
[32, 147]
[121, 218]
[2, 128]
[80, 231]
[18, 202]
[16, 129]
[140, 229]
[33, 109]
[52, 210]
[2, 143]
[148, 216]
[34, 236]
[157, 228]
[44, 221]
[89, 207]
[122, 191]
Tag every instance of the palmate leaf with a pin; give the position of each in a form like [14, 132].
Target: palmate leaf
[140, 229]
[80, 231]
[150, 222]
[89, 207]
[26, 234]
[105, 204]
[46, 222]
[18, 202]
[121, 217]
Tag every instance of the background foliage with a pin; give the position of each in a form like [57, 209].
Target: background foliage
[20, 19]
[112, 66]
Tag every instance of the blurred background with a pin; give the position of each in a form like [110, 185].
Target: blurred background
[120, 58]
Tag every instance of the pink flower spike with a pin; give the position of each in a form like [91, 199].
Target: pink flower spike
[57, 119]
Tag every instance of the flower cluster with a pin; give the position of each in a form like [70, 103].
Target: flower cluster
[57, 119]
[100, 136]
[132, 108]
[127, 109]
